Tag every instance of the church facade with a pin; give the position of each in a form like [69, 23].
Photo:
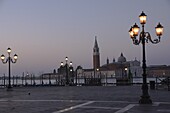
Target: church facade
[118, 69]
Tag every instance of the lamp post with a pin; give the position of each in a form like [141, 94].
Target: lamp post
[9, 60]
[66, 69]
[126, 72]
[144, 37]
[71, 73]
[97, 70]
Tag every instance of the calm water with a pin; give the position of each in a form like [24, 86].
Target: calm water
[79, 81]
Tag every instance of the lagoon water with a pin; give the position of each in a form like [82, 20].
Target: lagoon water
[80, 81]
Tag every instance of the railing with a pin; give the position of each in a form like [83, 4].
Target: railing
[58, 81]
[163, 83]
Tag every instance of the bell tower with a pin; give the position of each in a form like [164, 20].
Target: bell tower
[96, 55]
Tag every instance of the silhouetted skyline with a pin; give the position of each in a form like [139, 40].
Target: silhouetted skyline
[42, 32]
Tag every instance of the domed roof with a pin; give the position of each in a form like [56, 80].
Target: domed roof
[121, 58]
[79, 67]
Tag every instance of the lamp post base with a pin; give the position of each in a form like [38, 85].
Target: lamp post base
[9, 88]
[145, 100]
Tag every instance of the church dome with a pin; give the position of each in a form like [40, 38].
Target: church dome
[79, 67]
[121, 58]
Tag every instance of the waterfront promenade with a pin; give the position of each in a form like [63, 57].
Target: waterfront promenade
[82, 99]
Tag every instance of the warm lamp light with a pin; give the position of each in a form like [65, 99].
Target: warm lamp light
[15, 57]
[159, 29]
[66, 58]
[131, 32]
[9, 50]
[126, 69]
[71, 63]
[142, 18]
[62, 63]
[2, 57]
[135, 30]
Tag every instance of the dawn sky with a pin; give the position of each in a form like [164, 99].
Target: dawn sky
[44, 32]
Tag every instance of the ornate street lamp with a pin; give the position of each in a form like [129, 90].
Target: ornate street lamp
[126, 72]
[9, 60]
[144, 37]
[67, 66]
[71, 73]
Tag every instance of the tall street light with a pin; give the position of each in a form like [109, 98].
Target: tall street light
[71, 73]
[144, 37]
[66, 69]
[9, 60]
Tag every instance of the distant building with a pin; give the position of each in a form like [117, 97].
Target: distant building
[158, 71]
[49, 75]
[96, 55]
[119, 69]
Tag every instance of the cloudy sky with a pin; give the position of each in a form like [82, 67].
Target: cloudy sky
[44, 32]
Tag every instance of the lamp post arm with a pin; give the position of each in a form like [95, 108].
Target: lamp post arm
[137, 41]
[13, 61]
[148, 37]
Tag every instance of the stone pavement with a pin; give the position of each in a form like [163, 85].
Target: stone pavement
[81, 99]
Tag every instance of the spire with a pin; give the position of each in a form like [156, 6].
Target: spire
[121, 54]
[113, 59]
[96, 47]
[95, 43]
[96, 55]
[121, 58]
[107, 61]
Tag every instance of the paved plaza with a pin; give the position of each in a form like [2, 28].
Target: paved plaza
[81, 99]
